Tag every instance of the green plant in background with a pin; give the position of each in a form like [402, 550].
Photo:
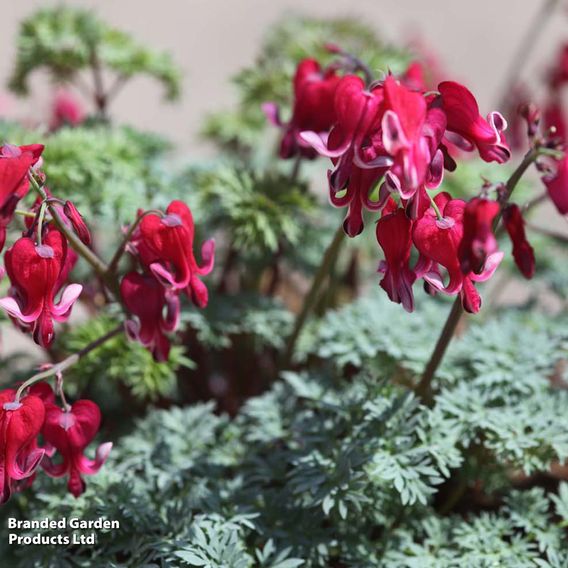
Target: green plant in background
[69, 42]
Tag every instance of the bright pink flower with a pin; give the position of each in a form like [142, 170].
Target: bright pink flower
[557, 185]
[77, 222]
[314, 92]
[20, 424]
[467, 127]
[66, 110]
[15, 162]
[478, 240]
[146, 298]
[437, 241]
[394, 237]
[70, 432]
[170, 240]
[523, 253]
[34, 272]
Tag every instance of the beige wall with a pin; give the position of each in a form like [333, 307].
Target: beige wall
[211, 39]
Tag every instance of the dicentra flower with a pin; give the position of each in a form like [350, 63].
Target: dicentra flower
[523, 252]
[468, 129]
[35, 272]
[147, 299]
[314, 92]
[70, 432]
[20, 424]
[169, 239]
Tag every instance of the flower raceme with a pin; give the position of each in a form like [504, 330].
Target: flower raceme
[402, 136]
[67, 431]
[163, 244]
[390, 138]
[37, 272]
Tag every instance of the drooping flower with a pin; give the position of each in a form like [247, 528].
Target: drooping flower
[358, 116]
[438, 241]
[394, 235]
[468, 129]
[70, 432]
[35, 272]
[170, 240]
[146, 298]
[20, 424]
[557, 185]
[478, 240]
[314, 92]
[355, 149]
[403, 138]
[15, 162]
[523, 252]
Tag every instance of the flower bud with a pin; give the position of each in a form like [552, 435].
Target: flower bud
[76, 219]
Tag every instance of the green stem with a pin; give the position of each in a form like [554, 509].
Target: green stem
[68, 362]
[424, 387]
[434, 206]
[40, 219]
[329, 259]
[22, 213]
[80, 248]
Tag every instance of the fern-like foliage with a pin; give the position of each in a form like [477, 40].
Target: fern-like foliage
[323, 471]
[258, 209]
[108, 172]
[66, 41]
[119, 363]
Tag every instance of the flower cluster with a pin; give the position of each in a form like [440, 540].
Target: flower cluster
[35, 431]
[390, 142]
[163, 245]
[39, 262]
[66, 432]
